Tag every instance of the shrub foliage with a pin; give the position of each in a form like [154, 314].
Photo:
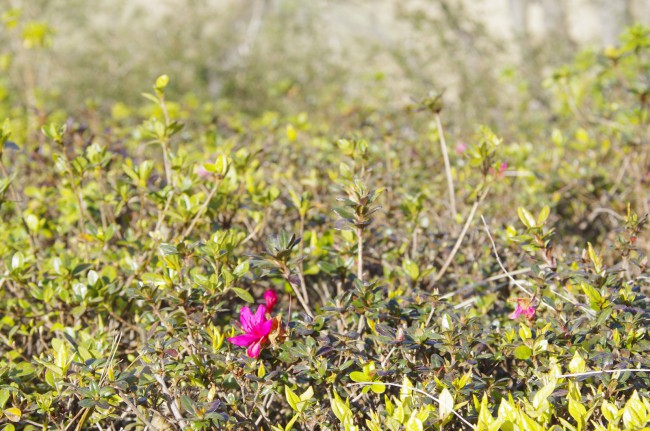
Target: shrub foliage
[498, 284]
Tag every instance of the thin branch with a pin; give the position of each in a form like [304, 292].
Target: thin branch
[135, 410]
[484, 281]
[520, 286]
[445, 156]
[171, 402]
[304, 304]
[591, 373]
[201, 210]
[459, 241]
[116, 342]
[496, 254]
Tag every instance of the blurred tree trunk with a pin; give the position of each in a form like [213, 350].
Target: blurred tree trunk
[613, 15]
[555, 16]
[518, 18]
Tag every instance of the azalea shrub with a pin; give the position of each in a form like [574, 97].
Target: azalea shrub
[179, 265]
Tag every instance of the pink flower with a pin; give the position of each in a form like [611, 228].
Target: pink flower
[256, 330]
[202, 172]
[523, 307]
[499, 173]
[271, 299]
[460, 147]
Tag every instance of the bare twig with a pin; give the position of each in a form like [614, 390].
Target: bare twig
[591, 373]
[171, 402]
[360, 253]
[301, 256]
[459, 241]
[496, 254]
[135, 410]
[201, 210]
[519, 285]
[445, 156]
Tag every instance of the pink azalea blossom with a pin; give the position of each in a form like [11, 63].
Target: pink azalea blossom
[256, 330]
[202, 172]
[528, 311]
[460, 147]
[271, 299]
[501, 170]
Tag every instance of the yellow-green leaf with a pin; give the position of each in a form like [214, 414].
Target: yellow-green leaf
[577, 364]
[543, 215]
[446, 403]
[414, 424]
[13, 414]
[243, 294]
[292, 398]
[526, 217]
[523, 352]
[634, 414]
[261, 371]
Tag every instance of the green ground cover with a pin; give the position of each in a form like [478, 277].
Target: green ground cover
[179, 264]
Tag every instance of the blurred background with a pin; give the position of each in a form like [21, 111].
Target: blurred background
[303, 56]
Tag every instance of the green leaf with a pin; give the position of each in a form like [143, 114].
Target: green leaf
[414, 424]
[543, 215]
[577, 412]
[635, 414]
[93, 277]
[17, 261]
[528, 423]
[577, 364]
[543, 394]
[243, 294]
[523, 352]
[13, 414]
[87, 403]
[261, 371]
[4, 397]
[339, 408]
[485, 418]
[359, 377]
[609, 411]
[595, 299]
[344, 213]
[507, 411]
[291, 133]
[524, 332]
[526, 218]
[411, 269]
[241, 269]
[150, 97]
[292, 398]
[289, 426]
[446, 405]
[162, 81]
[596, 259]
[221, 164]
[308, 394]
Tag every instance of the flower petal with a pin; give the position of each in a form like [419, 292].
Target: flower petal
[255, 349]
[517, 312]
[263, 329]
[529, 313]
[271, 299]
[243, 340]
[246, 319]
[258, 318]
